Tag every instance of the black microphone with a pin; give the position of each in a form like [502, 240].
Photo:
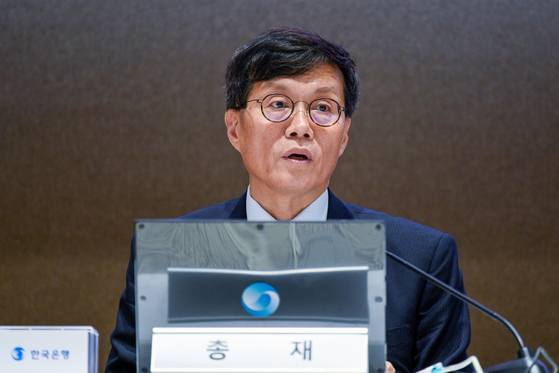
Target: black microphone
[526, 362]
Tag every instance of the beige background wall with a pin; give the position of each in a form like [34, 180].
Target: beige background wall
[111, 111]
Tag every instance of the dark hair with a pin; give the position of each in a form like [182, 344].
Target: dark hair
[284, 51]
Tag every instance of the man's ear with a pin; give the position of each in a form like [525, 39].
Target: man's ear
[232, 120]
[345, 136]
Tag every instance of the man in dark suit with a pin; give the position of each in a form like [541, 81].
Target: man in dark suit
[290, 98]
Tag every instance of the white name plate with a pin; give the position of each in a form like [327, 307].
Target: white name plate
[44, 349]
[252, 350]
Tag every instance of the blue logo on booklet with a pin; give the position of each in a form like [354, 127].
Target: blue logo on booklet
[260, 299]
[17, 353]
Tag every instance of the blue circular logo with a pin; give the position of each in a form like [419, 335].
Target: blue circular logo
[260, 299]
[17, 353]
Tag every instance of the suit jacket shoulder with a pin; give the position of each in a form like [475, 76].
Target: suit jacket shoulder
[232, 209]
[403, 235]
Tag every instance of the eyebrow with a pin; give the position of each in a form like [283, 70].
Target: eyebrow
[270, 84]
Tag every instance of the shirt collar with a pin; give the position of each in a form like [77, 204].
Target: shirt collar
[316, 211]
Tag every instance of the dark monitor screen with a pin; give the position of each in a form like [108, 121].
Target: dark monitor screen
[329, 294]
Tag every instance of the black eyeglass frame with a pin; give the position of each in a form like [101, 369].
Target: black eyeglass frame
[308, 112]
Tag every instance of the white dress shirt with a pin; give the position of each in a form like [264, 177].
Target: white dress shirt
[316, 211]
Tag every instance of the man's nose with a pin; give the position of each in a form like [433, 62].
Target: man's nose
[300, 125]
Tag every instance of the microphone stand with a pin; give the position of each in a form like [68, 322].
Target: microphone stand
[526, 359]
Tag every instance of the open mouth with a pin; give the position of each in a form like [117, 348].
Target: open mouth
[298, 157]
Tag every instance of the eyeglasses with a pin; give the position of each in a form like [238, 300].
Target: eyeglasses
[276, 107]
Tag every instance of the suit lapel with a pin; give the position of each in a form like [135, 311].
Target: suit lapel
[337, 210]
[240, 209]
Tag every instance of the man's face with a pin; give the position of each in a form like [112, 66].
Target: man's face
[295, 156]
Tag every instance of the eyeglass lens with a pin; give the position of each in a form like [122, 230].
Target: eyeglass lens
[323, 111]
